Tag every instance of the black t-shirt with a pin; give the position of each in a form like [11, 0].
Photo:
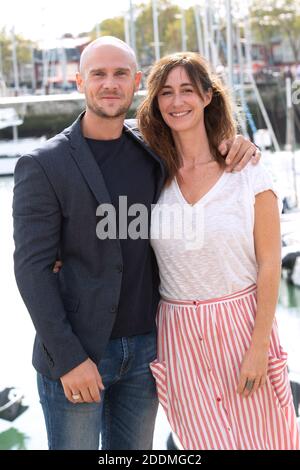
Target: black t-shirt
[128, 170]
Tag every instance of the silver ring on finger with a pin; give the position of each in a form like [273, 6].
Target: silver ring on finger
[76, 396]
[249, 384]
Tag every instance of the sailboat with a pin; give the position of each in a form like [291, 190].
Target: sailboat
[11, 150]
[11, 405]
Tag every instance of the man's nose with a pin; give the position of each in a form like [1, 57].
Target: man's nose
[109, 83]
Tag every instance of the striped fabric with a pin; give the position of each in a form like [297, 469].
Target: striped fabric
[200, 349]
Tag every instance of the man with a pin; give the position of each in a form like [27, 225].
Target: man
[95, 319]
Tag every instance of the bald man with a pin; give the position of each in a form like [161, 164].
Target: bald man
[95, 318]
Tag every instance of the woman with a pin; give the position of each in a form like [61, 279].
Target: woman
[221, 373]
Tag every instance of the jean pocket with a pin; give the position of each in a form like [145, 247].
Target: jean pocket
[278, 376]
[159, 372]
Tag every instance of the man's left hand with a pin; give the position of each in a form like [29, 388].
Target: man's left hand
[239, 151]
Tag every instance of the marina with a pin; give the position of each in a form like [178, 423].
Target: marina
[11, 150]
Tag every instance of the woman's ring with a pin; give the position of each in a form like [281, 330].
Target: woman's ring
[249, 384]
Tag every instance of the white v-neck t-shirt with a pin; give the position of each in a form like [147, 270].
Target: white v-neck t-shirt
[206, 250]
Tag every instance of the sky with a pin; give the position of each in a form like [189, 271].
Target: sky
[36, 19]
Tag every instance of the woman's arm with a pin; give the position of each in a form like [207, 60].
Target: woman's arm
[268, 255]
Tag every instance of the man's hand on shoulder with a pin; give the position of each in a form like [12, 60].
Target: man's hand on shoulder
[239, 151]
[57, 266]
[83, 383]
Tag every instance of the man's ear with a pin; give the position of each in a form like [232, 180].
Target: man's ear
[79, 82]
[137, 80]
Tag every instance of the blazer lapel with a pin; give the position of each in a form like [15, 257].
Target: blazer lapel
[87, 164]
[135, 133]
[89, 168]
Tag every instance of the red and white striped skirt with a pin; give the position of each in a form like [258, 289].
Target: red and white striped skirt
[201, 345]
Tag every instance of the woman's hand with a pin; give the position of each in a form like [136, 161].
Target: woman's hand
[57, 266]
[253, 372]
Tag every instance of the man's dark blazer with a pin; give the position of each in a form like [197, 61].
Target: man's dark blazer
[57, 190]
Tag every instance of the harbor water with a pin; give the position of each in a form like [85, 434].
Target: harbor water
[17, 333]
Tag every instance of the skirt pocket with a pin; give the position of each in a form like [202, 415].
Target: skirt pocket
[159, 372]
[278, 376]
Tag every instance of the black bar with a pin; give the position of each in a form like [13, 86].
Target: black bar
[134, 459]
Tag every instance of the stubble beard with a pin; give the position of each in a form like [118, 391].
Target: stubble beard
[100, 112]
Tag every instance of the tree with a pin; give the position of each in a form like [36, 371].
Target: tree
[144, 34]
[110, 27]
[23, 47]
[5, 54]
[169, 24]
[274, 18]
[169, 30]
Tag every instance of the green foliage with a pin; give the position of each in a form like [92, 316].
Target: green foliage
[169, 29]
[272, 19]
[111, 27]
[5, 52]
[12, 439]
[23, 47]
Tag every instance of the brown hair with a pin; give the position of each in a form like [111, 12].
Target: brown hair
[218, 116]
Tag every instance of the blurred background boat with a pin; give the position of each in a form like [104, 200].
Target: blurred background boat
[11, 150]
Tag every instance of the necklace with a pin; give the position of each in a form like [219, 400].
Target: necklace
[199, 163]
[204, 163]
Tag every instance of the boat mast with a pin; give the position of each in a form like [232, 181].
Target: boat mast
[155, 30]
[15, 62]
[183, 30]
[205, 30]
[290, 133]
[33, 77]
[1, 63]
[126, 28]
[229, 45]
[241, 81]
[198, 29]
[132, 26]
[259, 100]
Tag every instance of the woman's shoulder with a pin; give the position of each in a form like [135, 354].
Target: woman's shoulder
[255, 170]
[256, 174]
[260, 179]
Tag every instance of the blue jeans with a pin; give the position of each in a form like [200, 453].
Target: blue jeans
[125, 417]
